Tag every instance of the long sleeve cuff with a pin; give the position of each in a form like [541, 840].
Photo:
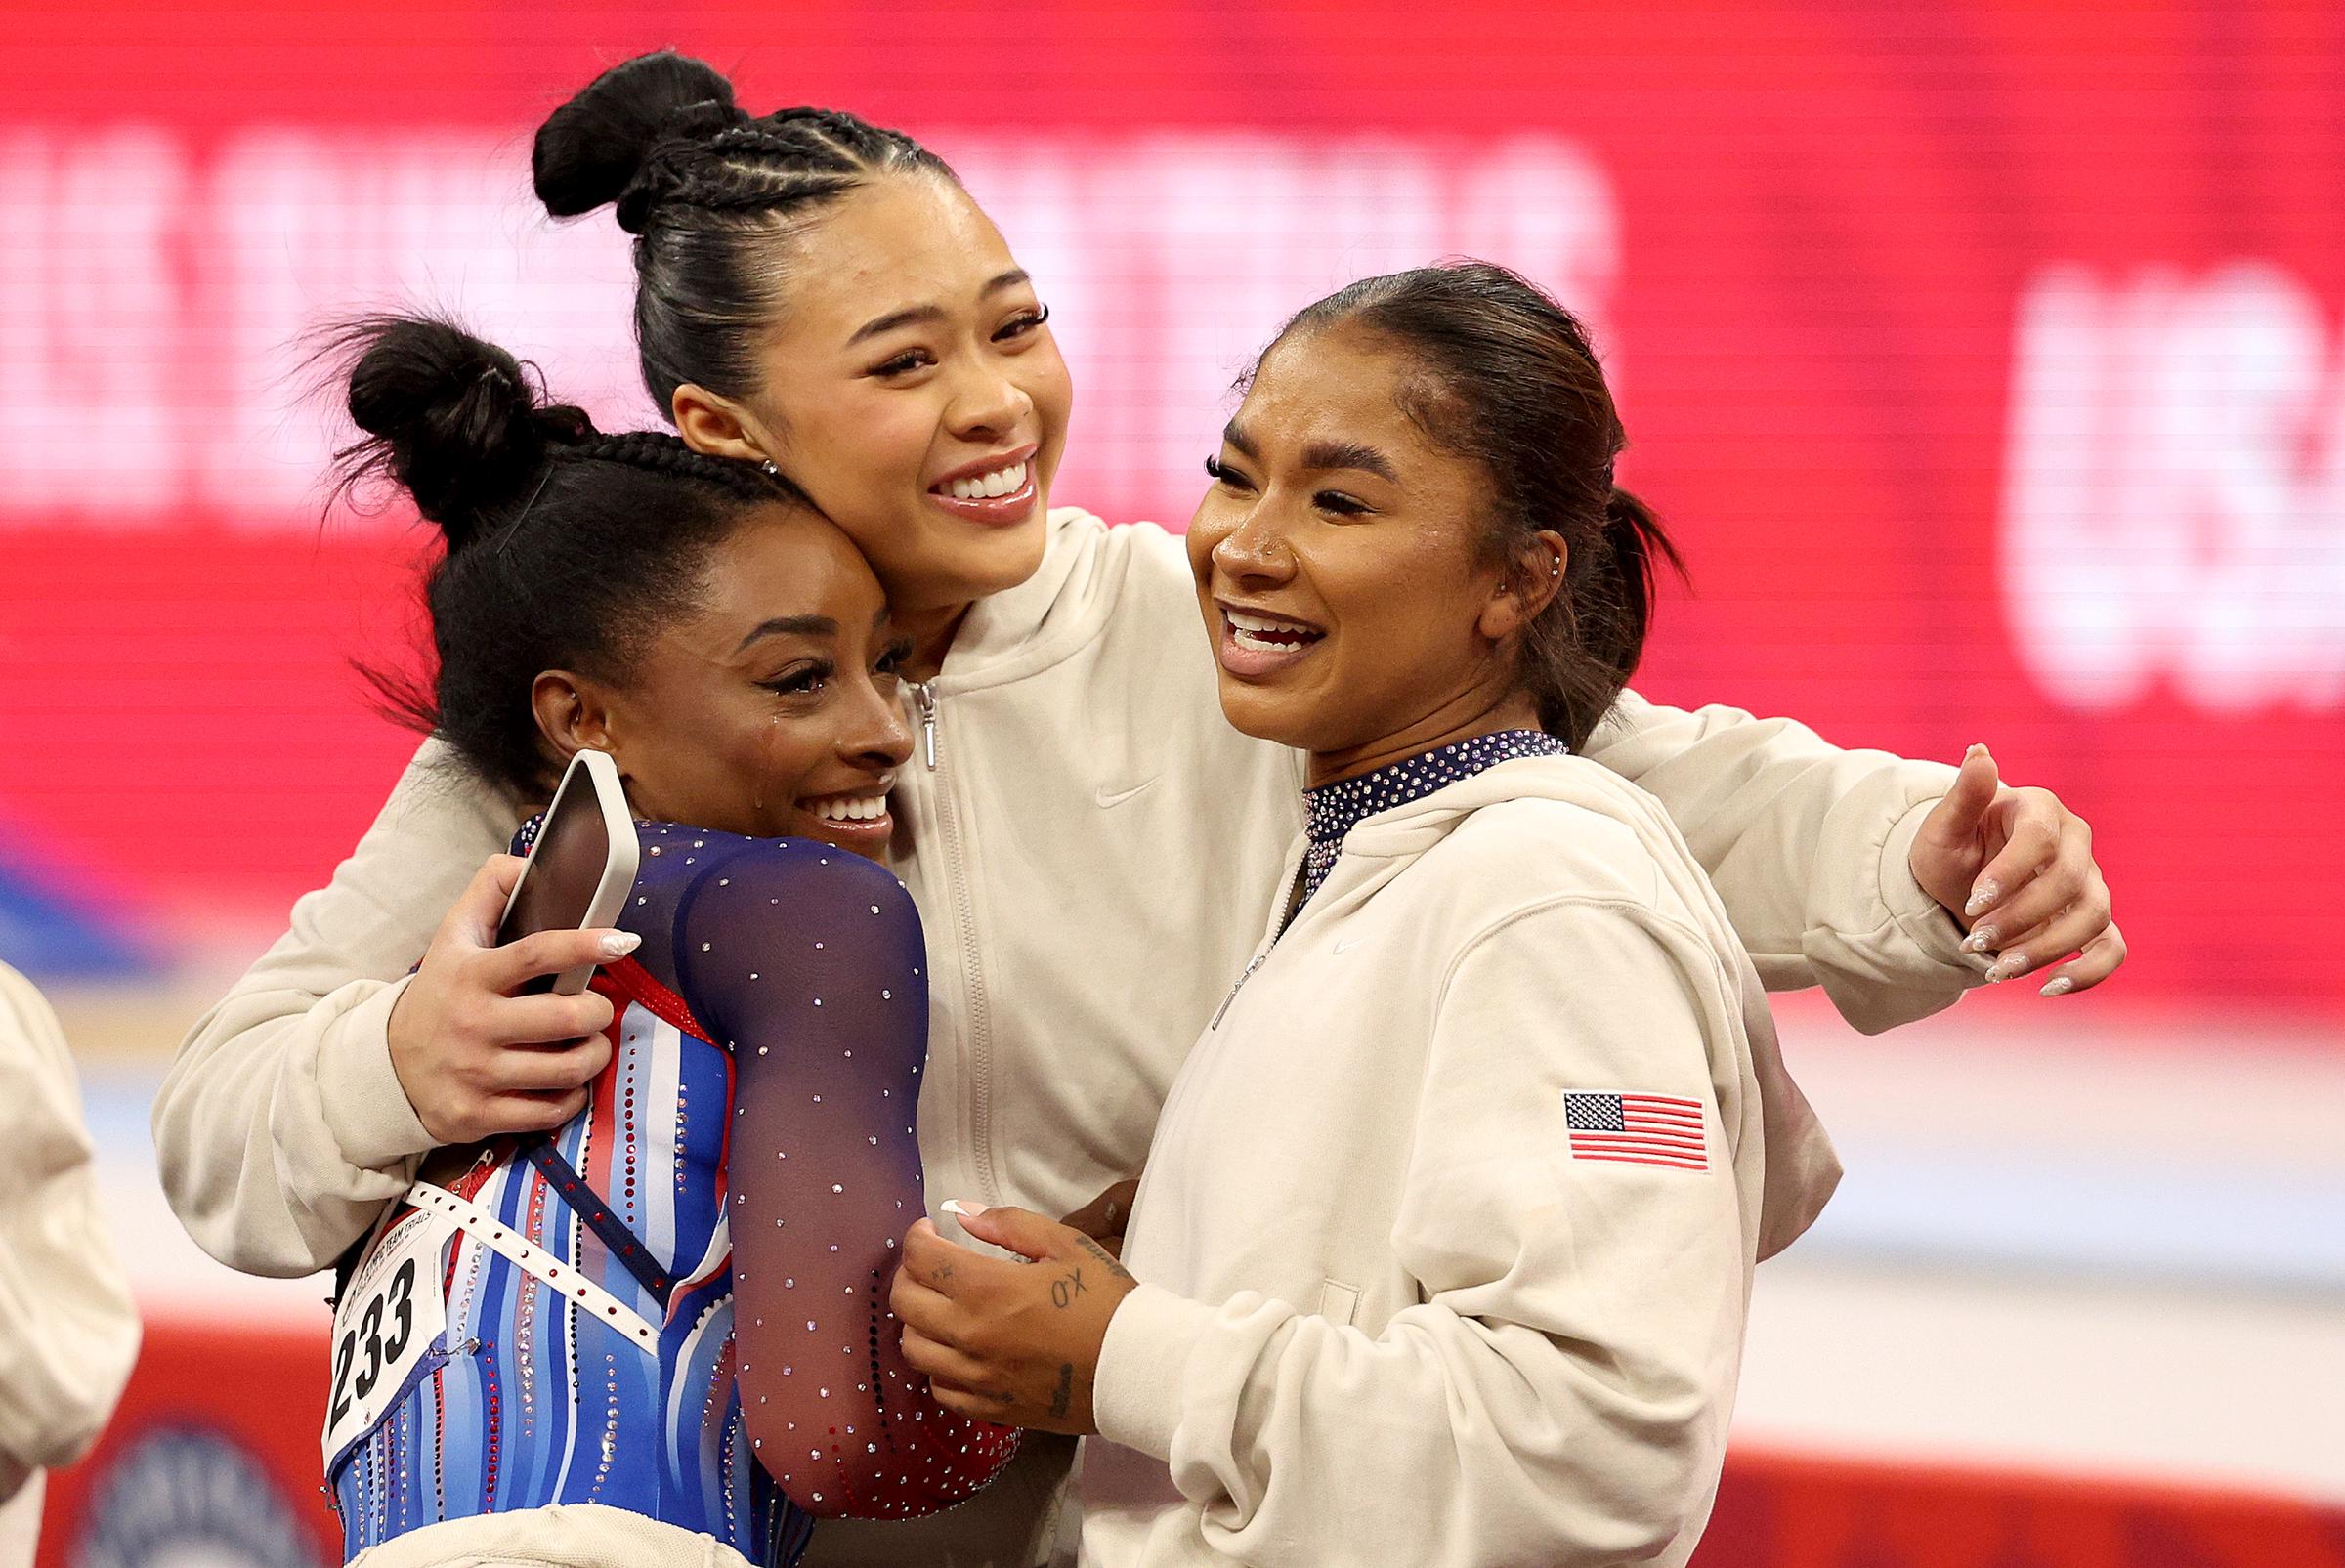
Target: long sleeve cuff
[1136, 1394]
[1929, 924]
[365, 1107]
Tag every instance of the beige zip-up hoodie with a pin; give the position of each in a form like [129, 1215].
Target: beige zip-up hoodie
[1394, 1309]
[1092, 849]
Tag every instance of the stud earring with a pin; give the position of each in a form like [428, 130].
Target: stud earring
[771, 472]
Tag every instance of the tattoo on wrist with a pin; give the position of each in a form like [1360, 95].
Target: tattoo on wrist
[1064, 1394]
[1103, 1256]
[1064, 1292]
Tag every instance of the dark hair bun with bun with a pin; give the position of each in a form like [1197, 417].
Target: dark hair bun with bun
[594, 148]
[451, 418]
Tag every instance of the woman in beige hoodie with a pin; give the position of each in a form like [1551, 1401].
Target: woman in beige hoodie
[1445, 1244]
[1089, 844]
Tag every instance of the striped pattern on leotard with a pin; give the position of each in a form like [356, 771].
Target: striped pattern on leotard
[527, 1403]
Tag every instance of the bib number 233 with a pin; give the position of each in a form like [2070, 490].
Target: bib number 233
[388, 1321]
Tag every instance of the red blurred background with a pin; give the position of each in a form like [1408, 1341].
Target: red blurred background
[1984, 357]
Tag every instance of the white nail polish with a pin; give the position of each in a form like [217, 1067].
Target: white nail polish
[620, 944]
[1982, 896]
[961, 1210]
[2057, 988]
[1979, 941]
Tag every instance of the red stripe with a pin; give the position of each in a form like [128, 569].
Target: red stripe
[1633, 1153]
[1654, 1113]
[1648, 1160]
[1660, 1099]
[1635, 1137]
[640, 984]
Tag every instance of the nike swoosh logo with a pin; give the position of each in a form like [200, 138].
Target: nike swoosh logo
[1117, 797]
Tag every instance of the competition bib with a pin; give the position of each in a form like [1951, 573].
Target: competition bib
[385, 1323]
[394, 1313]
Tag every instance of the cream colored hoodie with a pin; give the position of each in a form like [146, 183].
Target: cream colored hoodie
[1092, 850]
[1391, 1310]
[69, 1330]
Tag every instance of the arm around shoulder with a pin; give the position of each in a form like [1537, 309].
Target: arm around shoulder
[281, 1128]
[1809, 848]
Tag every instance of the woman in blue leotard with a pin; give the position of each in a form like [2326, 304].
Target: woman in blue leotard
[666, 1318]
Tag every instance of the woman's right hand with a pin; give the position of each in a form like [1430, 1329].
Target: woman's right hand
[476, 1060]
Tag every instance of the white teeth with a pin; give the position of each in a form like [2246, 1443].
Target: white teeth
[987, 486]
[869, 808]
[1268, 623]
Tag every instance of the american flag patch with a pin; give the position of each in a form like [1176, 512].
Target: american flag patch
[1642, 1129]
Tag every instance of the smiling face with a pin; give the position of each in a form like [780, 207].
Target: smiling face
[1340, 563]
[769, 710]
[910, 386]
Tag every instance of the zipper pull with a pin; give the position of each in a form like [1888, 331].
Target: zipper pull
[1251, 964]
[924, 697]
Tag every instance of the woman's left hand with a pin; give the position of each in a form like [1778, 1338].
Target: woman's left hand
[2016, 868]
[1011, 1342]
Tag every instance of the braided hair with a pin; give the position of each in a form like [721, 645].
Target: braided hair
[567, 548]
[708, 193]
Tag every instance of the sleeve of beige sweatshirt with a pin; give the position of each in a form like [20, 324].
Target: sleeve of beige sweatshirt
[68, 1332]
[1560, 1394]
[1807, 844]
[1810, 847]
[281, 1128]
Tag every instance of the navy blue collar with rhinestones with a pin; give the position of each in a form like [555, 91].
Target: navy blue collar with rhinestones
[1332, 811]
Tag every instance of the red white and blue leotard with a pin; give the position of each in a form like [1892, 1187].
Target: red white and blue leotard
[749, 1158]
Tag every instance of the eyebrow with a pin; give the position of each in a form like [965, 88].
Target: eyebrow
[912, 313]
[1349, 454]
[792, 626]
[1322, 455]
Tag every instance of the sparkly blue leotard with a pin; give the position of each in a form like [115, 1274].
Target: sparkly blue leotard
[754, 1130]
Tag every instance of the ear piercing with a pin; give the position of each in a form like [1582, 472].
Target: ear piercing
[770, 471]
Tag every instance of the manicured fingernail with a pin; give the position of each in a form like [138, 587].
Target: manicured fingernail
[1979, 941]
[961, 1210]
[2059, 987]
[619, 944]
[1982, 897]
[1978, 750]
[2009, 966]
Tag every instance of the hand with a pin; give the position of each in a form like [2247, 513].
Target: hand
[1103, 1218]
[1011, 1342]
[475, 1059]
[2016, 868]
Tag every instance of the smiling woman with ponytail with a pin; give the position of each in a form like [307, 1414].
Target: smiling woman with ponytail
[1457, 1198]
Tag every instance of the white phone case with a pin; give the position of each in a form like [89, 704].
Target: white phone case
[594, 770]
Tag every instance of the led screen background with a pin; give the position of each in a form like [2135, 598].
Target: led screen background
[1985, 358]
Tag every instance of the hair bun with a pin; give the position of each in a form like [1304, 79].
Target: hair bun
[592, 148]
[450, 417]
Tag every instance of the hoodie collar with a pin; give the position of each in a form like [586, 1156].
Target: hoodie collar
[1010, 635]
[1331, 811]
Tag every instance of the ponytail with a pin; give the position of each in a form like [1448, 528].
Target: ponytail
[1618, 607]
